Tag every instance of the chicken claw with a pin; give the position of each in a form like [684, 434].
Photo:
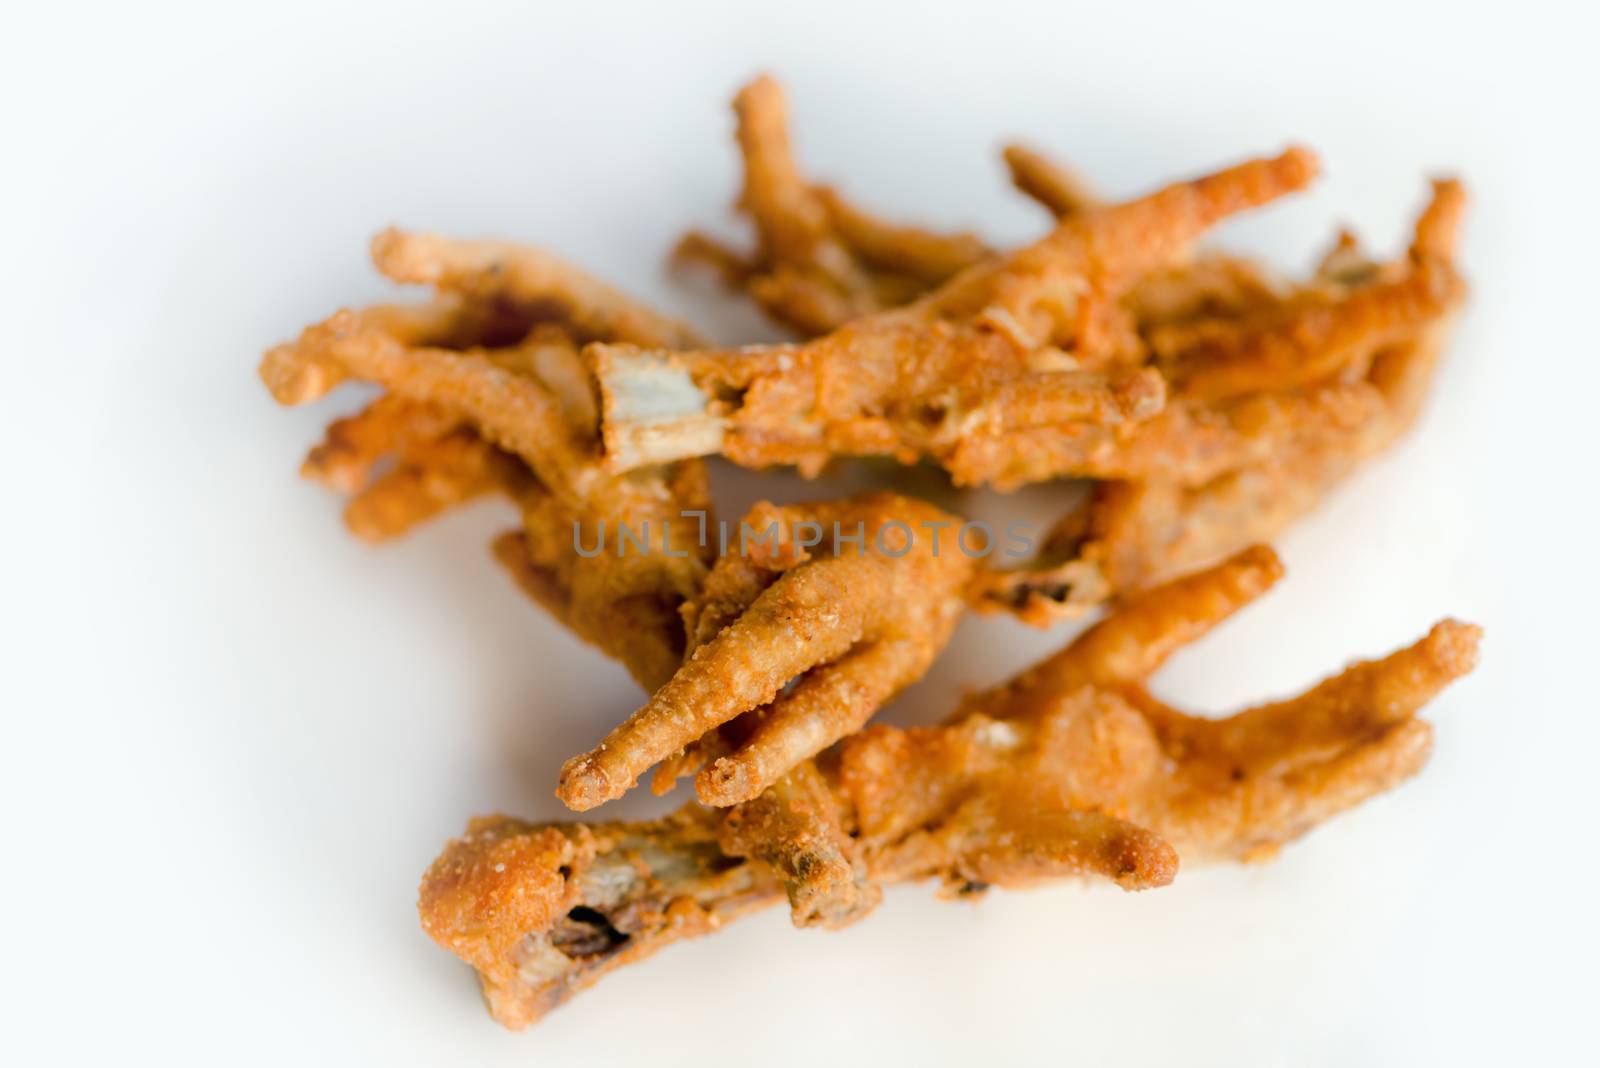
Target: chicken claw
[1205, 478]
[1071, 769]
[819, 261]
[796, 827]
[439, 462]
[498, 273]
[1221, 789]
[860, 599]
[545, 910]
[486, 393]
[1057, 189]
[1007, 347]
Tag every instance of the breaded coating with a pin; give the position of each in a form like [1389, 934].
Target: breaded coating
[627, 604]
[530, 280]
[819, 262]
[1218, 789]
[1146, 532]
[1187, 443]
[1070, 769]
[1269, 412]
[840, 605]
[796, 827]
[794, 824]
[916, 259]
[489, 386]
[1330, 325]
[1204, 479]
[435, 460]
[487, 394]
[1056, 188]
[1026, 344]
[1207, 403]
[543, 911]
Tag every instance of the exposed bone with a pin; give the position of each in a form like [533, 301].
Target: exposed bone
[654, 411]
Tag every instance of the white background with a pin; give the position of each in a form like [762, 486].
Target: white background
[234, 737]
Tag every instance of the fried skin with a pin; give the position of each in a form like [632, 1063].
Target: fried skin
[1273, 457]
[1219, 789]
[530, 280]
[623, 599]
[819, 261]
[1214, 404]
[1146, 532]
[543, 911]
[1027, 344]
[435, 461]
[1269, 410]
[843, 627]
[486, 393]
[796, 827]
[1061, 192]
[1056, 773]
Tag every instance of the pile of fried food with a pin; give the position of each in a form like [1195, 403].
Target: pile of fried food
[1209, 404]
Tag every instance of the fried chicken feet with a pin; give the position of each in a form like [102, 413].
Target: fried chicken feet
[1071, 769]
[486, 393]
[809, 643]
[819, 262]
[1374, 332]
[1029, 344]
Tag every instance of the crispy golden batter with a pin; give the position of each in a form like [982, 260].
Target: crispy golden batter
[796, 827]
[417, 353]
[821, 614]
[624, 600]
[1149, 531]
[1026, 345]
[1270, 411]
[543, 911]
[1207, 502]
[1194, 286]
[529, 280]
[1212, 404]
[1332, 324]
[819, 261]
[435, 461]
[1071, 769]
[1061, 192]
[1239, 787]
[1190, 444]
[487, 393]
